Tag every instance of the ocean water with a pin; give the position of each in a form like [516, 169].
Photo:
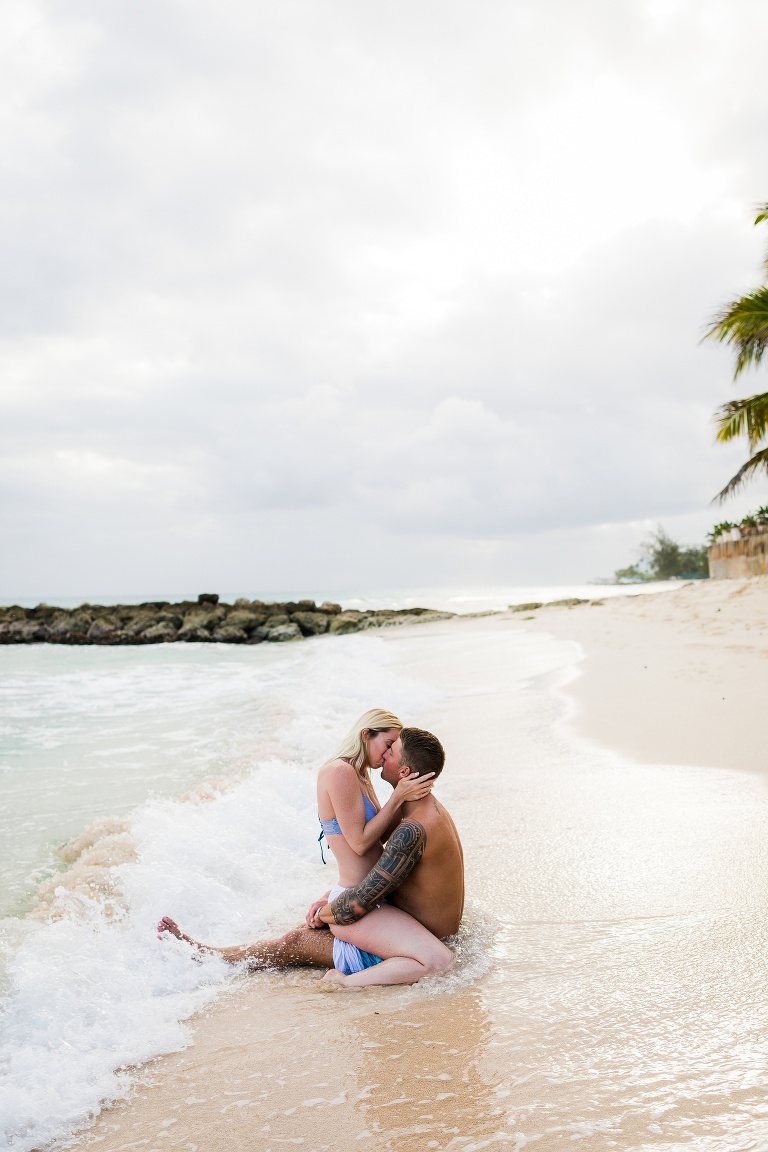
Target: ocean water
[183, 778]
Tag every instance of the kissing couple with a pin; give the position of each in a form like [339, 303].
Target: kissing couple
[401, 867]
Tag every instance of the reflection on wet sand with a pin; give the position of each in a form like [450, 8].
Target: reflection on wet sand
[419, 1074]
[280, 1063]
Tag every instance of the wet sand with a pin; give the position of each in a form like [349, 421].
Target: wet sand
[614, 994]
[676, 678]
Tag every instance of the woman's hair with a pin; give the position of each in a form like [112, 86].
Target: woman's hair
[352, 747]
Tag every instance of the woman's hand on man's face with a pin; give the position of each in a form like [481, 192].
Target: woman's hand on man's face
[414, 787]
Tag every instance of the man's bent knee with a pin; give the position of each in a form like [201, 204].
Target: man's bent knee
[291, 939]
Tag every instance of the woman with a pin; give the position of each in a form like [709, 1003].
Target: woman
[355, 828]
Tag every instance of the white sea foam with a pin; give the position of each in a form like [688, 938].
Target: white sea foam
[90, 990]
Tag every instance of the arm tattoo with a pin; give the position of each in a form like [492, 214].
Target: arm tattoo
[403, 851]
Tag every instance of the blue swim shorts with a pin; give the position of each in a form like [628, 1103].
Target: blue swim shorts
[348, 959]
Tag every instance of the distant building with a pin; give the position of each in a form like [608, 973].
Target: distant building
[735, 559]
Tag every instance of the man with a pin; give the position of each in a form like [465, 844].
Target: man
[421, 872]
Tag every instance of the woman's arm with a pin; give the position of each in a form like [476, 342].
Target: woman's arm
[343, 787]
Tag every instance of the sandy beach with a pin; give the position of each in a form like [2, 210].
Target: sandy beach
[612, 807]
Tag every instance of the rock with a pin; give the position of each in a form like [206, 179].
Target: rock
[203, 618]
[525, 607]
[247, 620]
[194, 635]
[395, 619]
[159, 621]
[159, 633]
[65, 625]
[102, 630]
[284, 632]
[23, 632]
[311, 623]
[69, 638]
[346, 622]
[14, 613]
[135, 625]
[569, 602]
[226, 634]
[42, 613]
[373, 620]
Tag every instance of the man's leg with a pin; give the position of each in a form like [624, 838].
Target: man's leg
[301, 947]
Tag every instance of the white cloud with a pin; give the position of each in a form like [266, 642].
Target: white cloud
[274, 275]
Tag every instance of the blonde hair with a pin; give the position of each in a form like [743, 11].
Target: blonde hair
[353, 746]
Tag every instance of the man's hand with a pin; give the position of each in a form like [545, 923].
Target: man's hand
[311, 918]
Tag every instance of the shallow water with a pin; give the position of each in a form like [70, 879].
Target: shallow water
[625, 1002]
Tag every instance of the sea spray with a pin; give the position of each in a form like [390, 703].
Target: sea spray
[91, 992]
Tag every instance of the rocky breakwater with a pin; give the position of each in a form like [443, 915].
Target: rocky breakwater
[205, 620]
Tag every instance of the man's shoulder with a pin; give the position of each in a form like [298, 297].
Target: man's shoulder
[439, 826]
[408, 834]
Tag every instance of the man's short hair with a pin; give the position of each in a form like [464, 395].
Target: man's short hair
[422, 751]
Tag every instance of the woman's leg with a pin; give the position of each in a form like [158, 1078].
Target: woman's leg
[408, 950]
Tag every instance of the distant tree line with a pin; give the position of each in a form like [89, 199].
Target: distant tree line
[662, 558]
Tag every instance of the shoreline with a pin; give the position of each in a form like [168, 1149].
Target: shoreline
[676, 678]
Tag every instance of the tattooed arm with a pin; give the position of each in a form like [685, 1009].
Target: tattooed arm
[402, 853]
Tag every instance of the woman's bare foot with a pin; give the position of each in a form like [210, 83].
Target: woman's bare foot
[338, 981]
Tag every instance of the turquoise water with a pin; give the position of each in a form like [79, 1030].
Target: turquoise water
[87, 733]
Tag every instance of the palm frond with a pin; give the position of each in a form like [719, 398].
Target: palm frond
[746, 472]
[762, 214]
[744, 322]
[747, 417]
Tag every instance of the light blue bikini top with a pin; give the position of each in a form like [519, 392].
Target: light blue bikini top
[333, 828]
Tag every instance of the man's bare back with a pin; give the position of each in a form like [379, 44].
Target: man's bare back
[434, 892]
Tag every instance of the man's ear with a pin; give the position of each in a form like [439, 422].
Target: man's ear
[404, 772]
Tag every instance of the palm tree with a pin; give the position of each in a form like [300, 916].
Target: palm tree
[744, 323]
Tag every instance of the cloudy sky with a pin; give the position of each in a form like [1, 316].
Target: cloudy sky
[354, 295]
